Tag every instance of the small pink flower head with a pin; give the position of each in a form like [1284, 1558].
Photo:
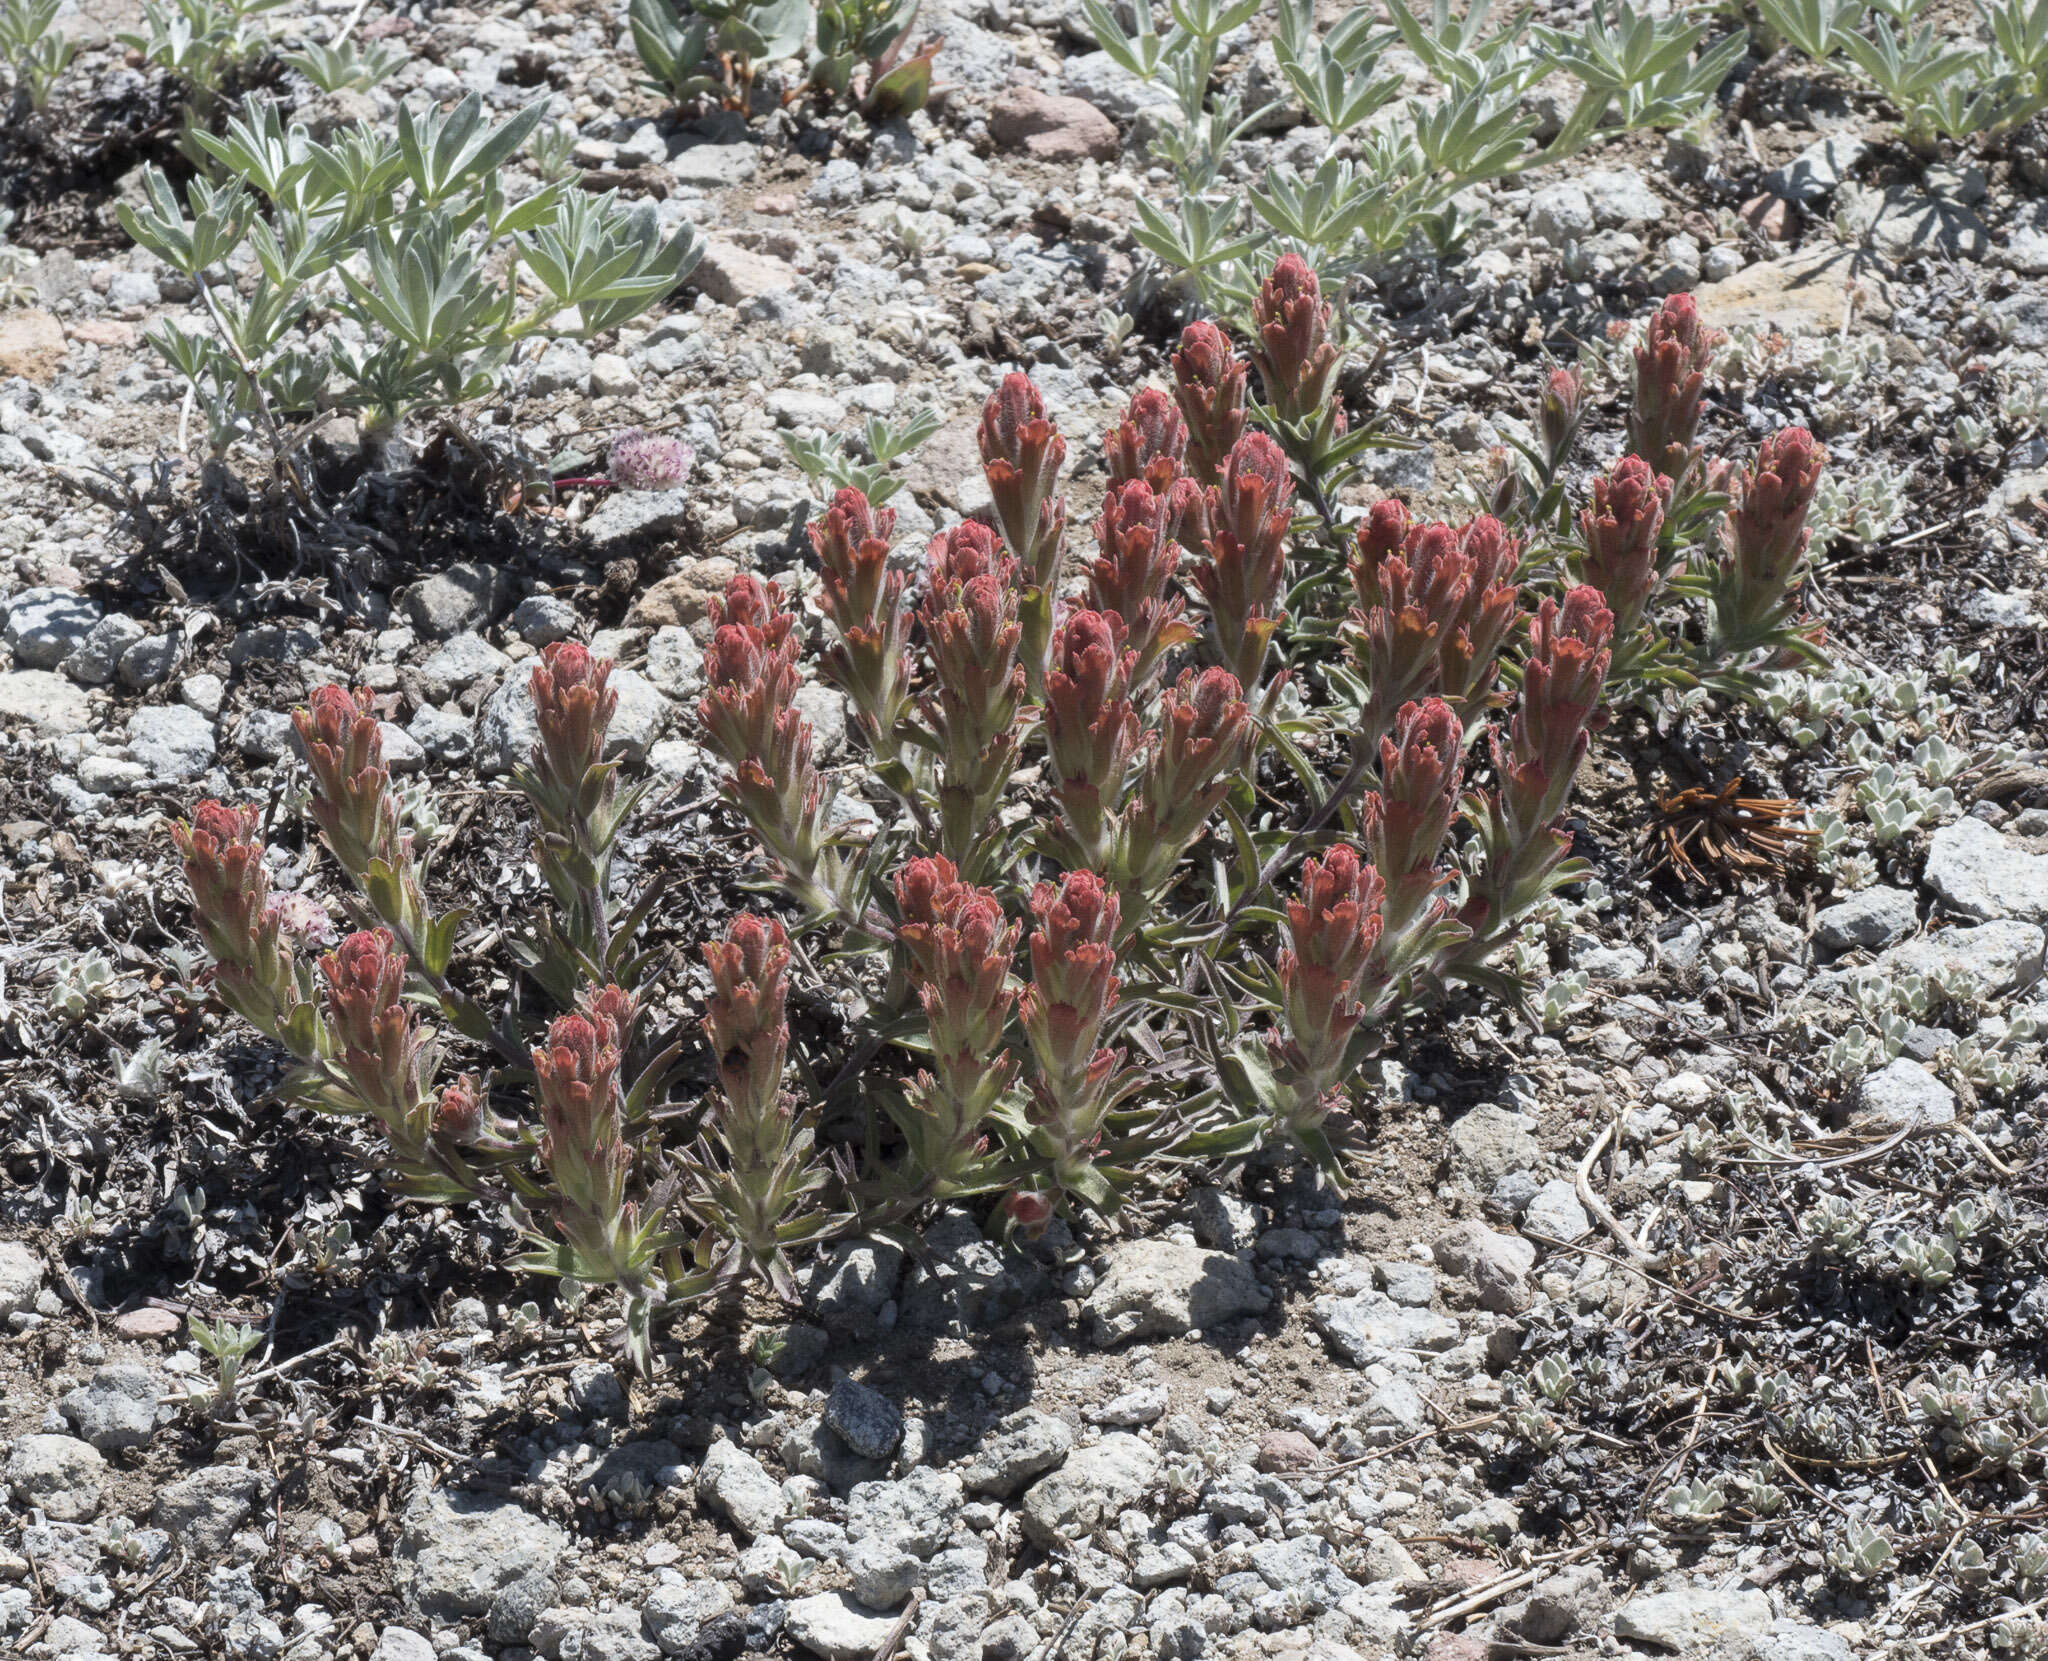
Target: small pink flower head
[1244, 577]
[1089, 664]
[751, 671]
[224, 865]
[459, 1115]
[1022, 453]
[970, 617]
[613, 1011]
[961, 945]
[1671, 373]
[1558, 414]
[217, 826]
[1148, 443]
[959, 555]
[1204, 720]
[1209, 386]
[302, 922]
[1333, 924]
[646, 461]
[1562, 684]
[751, 604]
[1133, 576]
[1292, 348]
[338, 725]
[1028, 1213]
[1382, 537]
[345, 754]
[1204, 735]
[1620, 531]
[573, 706]
[365, 968]
[1091, 729]
[923, 892]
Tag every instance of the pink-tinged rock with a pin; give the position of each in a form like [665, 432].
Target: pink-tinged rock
[147, 1323]
[1770, 215]
[31, 344]
[102, 331]
[1049, 127]
[730, 273]
[1286, 1450]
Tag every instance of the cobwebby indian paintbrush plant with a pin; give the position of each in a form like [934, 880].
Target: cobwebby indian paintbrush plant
[1086, 947]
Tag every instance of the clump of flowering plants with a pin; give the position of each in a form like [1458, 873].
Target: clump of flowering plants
[1180, 825]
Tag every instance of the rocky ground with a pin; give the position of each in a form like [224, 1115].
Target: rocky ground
[1629, 1339]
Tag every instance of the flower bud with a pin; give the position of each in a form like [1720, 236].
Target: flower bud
[961, 949]
[1562, 685]
[1029, 1213]
[1022, 453]
[345, 754]
[1091, 728]
[749, 718]
[1435, 604]
[1148, 443]
[1133, 577]
[1619, 532]
[1558, 414]
[1332, 928]
[974, 634]
[1073, 978]
[1208, 385]
[459, 1116]
[243, 925]
[1421, 772]
[745, 1019]
[862, 599]
[1765, 533]
[576, 1080]
[573, 706]
[1204, 739]
[1671, 373]
[380, 1047]
[1245, 573]
[1291, 348]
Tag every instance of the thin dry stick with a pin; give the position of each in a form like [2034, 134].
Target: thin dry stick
[1593, 1203]
[887, 1647]
[1988, 1621]
[1983, 1153]
[1493, 1590]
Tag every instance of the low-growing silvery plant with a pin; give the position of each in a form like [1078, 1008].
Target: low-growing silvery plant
[409, 240]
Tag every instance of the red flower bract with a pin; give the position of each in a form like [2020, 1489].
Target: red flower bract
[1291, 347]
[1209, 387]
[1620, 531]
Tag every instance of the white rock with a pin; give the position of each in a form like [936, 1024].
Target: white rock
[1903, 1095]
[832, 1625]
[174, 741]
[1089, 1489]
[735, 1481]
[1977, 874]
[1162, 1288]
[21, 1278]
[1871, 919]
[1693, 1619]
